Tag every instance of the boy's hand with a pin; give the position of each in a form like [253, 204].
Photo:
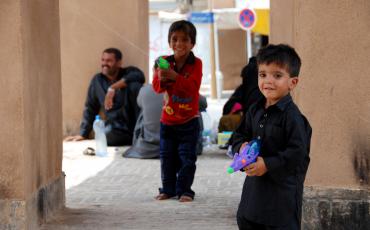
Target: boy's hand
[256, 169]
[167, 75]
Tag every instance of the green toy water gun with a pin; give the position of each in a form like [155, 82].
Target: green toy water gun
[163, 63]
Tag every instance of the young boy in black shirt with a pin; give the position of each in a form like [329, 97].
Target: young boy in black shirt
[273, 189]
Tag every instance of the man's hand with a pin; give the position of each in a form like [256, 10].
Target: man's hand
[256, 169]
[167, 75]
[108, 100]
[74, 138]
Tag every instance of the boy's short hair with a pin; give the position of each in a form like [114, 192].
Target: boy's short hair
[117, 53]
[281, 55]
[184, 26]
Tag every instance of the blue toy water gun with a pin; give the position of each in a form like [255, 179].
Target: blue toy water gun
[247, 156]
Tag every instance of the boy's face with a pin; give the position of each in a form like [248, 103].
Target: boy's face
[181, 44]
[274, 82]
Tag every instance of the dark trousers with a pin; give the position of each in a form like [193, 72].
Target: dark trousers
[245, 224]
[178, 157]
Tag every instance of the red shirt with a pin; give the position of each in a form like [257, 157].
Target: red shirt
[180, 102]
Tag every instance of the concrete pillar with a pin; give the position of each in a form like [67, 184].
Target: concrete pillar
[333, 40]
[87, 28]
[31, 180]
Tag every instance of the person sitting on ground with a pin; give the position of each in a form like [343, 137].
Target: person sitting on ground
[202, 108]
[145, 143]
[120, 117]
[242, 98]
[238, 104]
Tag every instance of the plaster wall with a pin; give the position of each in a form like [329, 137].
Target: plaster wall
[42, 92]
[31, 180]
[218, 4]
[31, 146]
[87, 28]
[232, 56]
[333, 40]
[11, 107]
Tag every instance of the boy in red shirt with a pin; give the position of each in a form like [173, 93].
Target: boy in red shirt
[179, 120]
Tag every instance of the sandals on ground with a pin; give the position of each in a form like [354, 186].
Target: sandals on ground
[89, 151]
[162, 196]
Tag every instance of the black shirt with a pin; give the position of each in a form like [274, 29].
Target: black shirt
[122, 117]
[276, 197]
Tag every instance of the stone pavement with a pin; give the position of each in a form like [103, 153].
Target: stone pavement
[118, 193]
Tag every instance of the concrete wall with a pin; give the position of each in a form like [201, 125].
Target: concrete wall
[333, 40]
[232, 46]
[12, 101]
[334, 84]
[217, 4]
[42, 91]
[232, 56]
[30, 109]
[87, 28]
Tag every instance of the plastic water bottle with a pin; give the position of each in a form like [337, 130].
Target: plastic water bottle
[100, 138]
[207, 128]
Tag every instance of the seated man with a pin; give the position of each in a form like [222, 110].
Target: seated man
[145, 142]
[121, 117]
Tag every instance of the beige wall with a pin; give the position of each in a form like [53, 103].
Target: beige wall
[217, 4]
[30, 108]
[232, 56]
[333, 40]
[11, 106]
[87, 28]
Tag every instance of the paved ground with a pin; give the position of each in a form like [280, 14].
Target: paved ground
[117, 193]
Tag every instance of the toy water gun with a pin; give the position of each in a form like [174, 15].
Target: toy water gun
[247, 156]
[163, 63]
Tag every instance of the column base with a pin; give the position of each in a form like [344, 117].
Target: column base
[335, 208]
[31, 213]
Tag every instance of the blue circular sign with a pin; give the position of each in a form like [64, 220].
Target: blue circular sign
[247, 19]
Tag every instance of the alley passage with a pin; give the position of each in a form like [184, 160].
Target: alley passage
[118, 193]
